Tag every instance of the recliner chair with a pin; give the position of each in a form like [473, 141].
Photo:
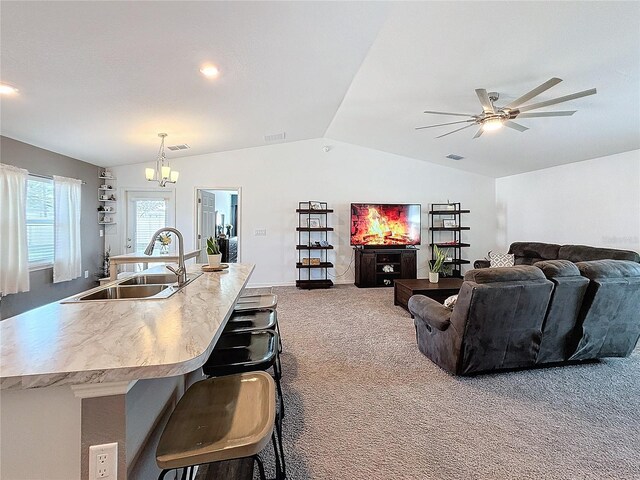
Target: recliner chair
[496, 322]
[561, 330]
[610, 316]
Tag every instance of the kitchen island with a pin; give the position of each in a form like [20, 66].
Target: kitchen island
[79, 374]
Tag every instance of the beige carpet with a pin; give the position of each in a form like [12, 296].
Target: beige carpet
[363, 403]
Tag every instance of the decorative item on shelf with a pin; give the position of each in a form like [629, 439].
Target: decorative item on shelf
[313, 222]
[324, 243]
[437, 266]
[229, 228]
[162, 173]
[310, 261]
[387, 268]
[112, 198]
[108, 208]
[449, 223]
[213, 252]
[106, 174]
[386, 282]
[104, 197]
[315, 206]
[101, 208]
[106, 258]
[165, 241]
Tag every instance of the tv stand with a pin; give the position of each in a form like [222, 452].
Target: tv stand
[379, 267]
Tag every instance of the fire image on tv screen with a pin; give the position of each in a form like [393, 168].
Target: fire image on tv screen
[385, 224]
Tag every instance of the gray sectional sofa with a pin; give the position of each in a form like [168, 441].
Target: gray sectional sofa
[526, 316]
[528, 253]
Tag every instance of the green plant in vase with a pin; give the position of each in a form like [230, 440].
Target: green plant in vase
[213, 252]
[437, 265]
[165, 241]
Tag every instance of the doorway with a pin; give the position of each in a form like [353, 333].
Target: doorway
[147, 211]
[218, 216]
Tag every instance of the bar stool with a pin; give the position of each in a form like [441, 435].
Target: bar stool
[254, 303]
[248, 351]
[224, 418]
[252, 320]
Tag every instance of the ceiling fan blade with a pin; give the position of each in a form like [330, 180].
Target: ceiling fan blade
[449, 113]
[478, 133]
[441, 124]
[566, 113]
[515, 126]
[566, 98]
[454, 131]
[533, 93]
[484, 100]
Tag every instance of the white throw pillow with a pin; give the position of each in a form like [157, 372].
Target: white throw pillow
[501, 259]
[451, 302]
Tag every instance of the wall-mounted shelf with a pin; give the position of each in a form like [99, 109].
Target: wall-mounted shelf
[106, 186]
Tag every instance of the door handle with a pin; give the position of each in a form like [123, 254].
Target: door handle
[128, 246]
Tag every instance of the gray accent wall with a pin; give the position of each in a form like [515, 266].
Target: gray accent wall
[44, 162]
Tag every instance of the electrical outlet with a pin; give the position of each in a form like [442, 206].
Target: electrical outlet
[261, 232]
[101, 232]
[86, 274]
[103, 461]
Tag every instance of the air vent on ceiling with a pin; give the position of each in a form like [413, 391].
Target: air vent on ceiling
[453, 156]
[182, 146]
[276, 137]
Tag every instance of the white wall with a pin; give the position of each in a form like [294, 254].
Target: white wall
[595, 202]
[40, 434]
[273, 179]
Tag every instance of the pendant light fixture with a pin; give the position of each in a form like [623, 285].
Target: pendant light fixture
[162, 173]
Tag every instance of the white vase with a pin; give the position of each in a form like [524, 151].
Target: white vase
[434, 277]
[214, 260]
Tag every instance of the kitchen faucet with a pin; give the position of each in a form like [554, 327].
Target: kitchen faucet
[181, 271]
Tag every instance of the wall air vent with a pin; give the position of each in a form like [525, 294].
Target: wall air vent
[182, 146]
[276, 137]
[453, 156]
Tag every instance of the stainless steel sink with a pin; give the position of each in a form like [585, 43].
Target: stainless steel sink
[119, 292]
[140, 287]
[157, 279]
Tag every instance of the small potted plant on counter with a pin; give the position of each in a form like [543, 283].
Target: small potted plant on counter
[437, 266]
[213, 252]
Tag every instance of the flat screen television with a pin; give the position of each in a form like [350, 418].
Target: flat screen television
[385, 224]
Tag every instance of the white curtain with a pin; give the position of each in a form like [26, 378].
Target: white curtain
[67, 258]
[14, 258]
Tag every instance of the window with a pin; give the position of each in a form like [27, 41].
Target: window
[40, 212]
[150, 215]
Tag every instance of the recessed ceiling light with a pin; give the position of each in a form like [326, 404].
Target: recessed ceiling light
[210, 71]
[6, 89]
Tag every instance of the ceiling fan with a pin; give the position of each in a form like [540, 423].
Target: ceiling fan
[494, 117]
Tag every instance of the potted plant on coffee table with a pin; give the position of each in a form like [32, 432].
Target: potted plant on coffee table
[213, 252]
[437, 266]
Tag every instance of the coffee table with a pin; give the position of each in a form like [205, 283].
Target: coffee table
[404, 289]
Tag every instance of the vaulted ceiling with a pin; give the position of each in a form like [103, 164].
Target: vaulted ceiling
[99, 80]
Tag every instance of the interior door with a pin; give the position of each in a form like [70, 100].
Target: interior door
[206, 220]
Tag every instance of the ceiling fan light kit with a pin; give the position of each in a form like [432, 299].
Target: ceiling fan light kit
[494, 118]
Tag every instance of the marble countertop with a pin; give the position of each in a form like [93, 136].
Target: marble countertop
[114, 341]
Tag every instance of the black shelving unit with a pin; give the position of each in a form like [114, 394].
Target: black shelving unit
[313, 243]
[449, 237]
